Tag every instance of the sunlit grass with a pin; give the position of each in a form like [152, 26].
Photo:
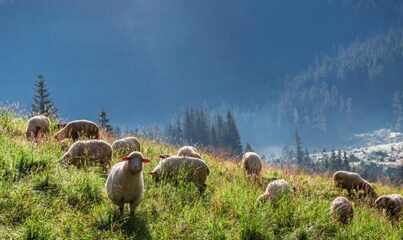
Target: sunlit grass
[39, 199]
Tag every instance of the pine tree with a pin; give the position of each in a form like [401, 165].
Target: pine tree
[232, 138]
[339, 161]
[248, 148]
[398, 110]
[307, 159]
[42, 102]
[300, 153]
[104, 122]
[178, 132]
[325, 160]
[346, 162]
[220, 131]
[333, 164]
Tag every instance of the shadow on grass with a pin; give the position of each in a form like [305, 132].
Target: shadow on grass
[136, 226]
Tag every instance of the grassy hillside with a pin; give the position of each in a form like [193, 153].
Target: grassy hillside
[41, 200]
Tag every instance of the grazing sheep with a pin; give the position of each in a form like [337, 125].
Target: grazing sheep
[275, 190]
[196, 170]
[353, 181]
[77, 129]
[125, 146]
[37, 125]
[392, 205]
[90, 151]
[252, 163]
[342, 210]
[125, 182]
[188, 151]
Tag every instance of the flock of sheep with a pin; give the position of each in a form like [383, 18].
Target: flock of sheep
[125, 183]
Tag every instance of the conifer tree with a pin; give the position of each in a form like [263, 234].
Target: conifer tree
[346, 162]
[232, 138]
[300, 153]
[43, 104]
[104, 122]
[248, 148]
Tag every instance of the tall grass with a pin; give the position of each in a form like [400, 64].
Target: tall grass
[39, 199]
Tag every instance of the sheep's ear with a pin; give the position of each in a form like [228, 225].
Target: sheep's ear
[144, 160]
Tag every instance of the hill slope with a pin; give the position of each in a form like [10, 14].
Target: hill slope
[41, 200]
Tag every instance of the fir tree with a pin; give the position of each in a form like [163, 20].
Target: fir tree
[43, 104]
[248, 148]
[232, 138]
[398, 110]
[332, 160]
[104, 122]
[346, 162]
[300, 153]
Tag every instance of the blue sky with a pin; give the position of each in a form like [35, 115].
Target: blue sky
[145, 60]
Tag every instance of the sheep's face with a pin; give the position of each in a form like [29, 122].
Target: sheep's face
[382, 202]
[135, 162]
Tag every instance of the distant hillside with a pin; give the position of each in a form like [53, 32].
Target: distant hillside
[39, 199]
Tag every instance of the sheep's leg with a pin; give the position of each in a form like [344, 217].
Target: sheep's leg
[121, 209]
[133, 206]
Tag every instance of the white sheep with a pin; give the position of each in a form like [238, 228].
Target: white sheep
[37, 125]
[90, 151]
[353, 181]
[252, 163]
[196, 170]
[125, 146]
[275, 191]
[342, 210]
[392, 204]
[77, 129]
[188, 151]
[125, 182]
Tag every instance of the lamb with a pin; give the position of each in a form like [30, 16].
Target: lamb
[392, 205]
[252, 163]
[77, 129]
[188, 151]
[353, 181]
[196, 170]
[275, 191]
[90, 151]
[342, 210]
[125, 182]
[37, 125]
[125, 146]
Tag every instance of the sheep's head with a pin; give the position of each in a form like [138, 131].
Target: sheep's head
[135, 162]
[382, 202]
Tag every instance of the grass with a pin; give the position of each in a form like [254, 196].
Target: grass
[39, 199]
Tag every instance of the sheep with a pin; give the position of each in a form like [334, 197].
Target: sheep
[342, 210]
[188, 151]
[125, 146]
[37, 125]
[392, 205]
[275, 191]
[125, 182]
[252, 163]
[90, 151]
[77, 129]
[196, 170]
[353, 181]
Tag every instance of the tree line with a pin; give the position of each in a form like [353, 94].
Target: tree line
[196, 127]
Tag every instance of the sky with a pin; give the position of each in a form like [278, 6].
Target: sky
[144, 61]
